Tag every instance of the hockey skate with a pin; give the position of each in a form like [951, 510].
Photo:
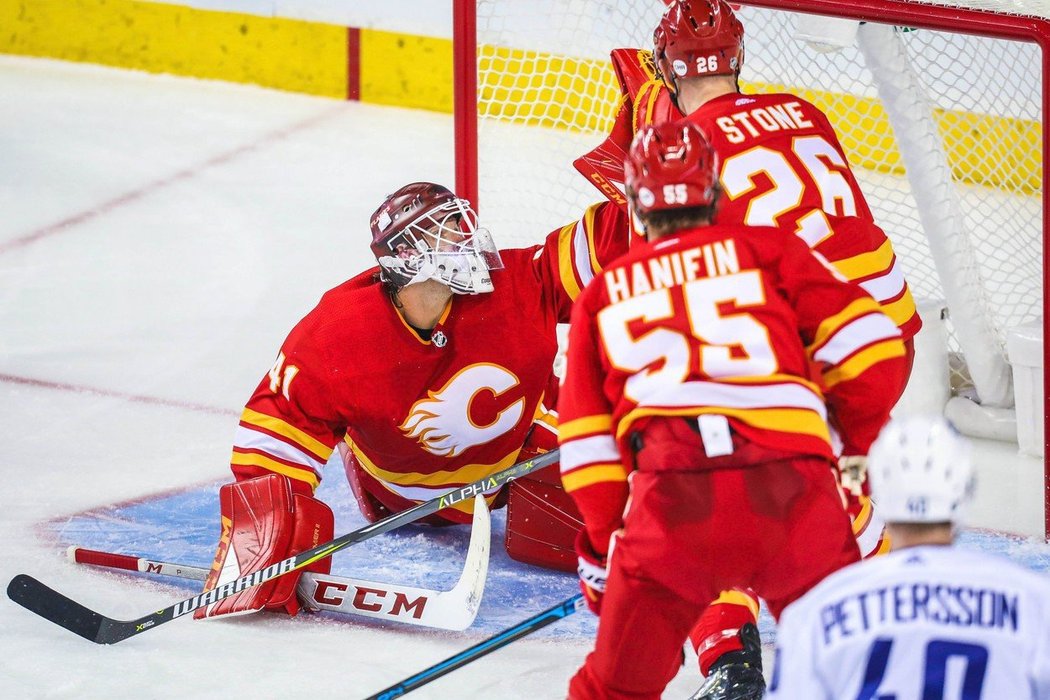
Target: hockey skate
[736, 675]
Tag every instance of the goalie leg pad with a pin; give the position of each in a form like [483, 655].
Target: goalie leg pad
[264, 522]
[368, 504]
[542, 522]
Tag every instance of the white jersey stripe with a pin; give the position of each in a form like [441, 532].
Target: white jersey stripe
[717, 394]
[595, 449]
[582, 254]
[249, 439]
[855, 335]
[887, 286]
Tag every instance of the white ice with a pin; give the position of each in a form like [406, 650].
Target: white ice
[158, 238]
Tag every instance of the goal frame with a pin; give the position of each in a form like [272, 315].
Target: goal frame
[910, 13]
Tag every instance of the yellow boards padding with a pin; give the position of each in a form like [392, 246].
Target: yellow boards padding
[405, 70]
[306, 57]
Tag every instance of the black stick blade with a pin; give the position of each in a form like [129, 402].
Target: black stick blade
[52, 605]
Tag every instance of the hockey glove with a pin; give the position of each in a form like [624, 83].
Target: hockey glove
[853, 473]
[593, 569]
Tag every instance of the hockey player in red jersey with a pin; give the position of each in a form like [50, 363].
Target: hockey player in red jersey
[694, 438]
[781, 165]
[426, 373]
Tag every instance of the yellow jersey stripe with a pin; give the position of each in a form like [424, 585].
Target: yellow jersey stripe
[548, 420]
[738, 598]
[863, 360]
[783, 420]
[440, 479]
[833, 323]
[866, 263]
[595, 474]
[565, 266]
[251, 459]
[902, 310]
[588, 216]
[287, 430]
[863, 517]
[585, 426]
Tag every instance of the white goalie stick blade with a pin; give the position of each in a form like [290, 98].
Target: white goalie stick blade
[454, 609]
[450, 610]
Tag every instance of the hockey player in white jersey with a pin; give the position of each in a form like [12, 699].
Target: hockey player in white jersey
[927, 621]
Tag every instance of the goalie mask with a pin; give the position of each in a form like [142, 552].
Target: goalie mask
[424, 232]
[698, 38]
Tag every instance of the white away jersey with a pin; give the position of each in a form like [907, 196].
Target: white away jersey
[922, 623]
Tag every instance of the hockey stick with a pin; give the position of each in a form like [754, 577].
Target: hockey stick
[65, 612]
[497, 641]
[454, 609]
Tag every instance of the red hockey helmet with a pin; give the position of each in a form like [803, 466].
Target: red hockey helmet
[423, 231]
[670, 166]
[697, 38]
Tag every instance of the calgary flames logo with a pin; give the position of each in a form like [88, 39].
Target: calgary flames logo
[443, 424]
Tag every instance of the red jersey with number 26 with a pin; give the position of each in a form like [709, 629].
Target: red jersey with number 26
[780, 164]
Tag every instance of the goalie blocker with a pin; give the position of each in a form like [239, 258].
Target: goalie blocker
[264, 521]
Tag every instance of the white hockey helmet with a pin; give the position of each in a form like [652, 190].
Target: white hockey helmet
[920, 471]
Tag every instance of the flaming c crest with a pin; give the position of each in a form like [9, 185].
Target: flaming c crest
[442, 422]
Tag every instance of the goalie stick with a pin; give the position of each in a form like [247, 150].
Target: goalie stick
[95, 627]
[497, 641]
[454, 609]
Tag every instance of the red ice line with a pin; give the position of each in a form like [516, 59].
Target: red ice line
[136, 398]
[150, 188]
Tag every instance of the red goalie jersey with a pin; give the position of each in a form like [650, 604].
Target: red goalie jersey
[781, 165]
[420, 414]
[722, 320]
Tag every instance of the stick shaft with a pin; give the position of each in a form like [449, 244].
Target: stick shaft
[61, 610]
[497, 641]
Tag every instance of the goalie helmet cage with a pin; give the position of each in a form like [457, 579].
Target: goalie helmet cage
[936, 102]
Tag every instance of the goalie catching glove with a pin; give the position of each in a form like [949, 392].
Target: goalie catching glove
[266, 520]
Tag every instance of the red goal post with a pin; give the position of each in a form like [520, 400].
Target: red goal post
[940, 106]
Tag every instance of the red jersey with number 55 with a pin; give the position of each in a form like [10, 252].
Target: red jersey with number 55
[722, 320]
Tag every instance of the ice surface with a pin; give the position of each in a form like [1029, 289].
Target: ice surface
[158, 238]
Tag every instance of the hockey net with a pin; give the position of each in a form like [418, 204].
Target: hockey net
[939, 106]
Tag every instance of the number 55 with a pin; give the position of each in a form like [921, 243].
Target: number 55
[661, 356]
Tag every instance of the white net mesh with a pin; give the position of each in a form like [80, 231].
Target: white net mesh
[547, 95]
